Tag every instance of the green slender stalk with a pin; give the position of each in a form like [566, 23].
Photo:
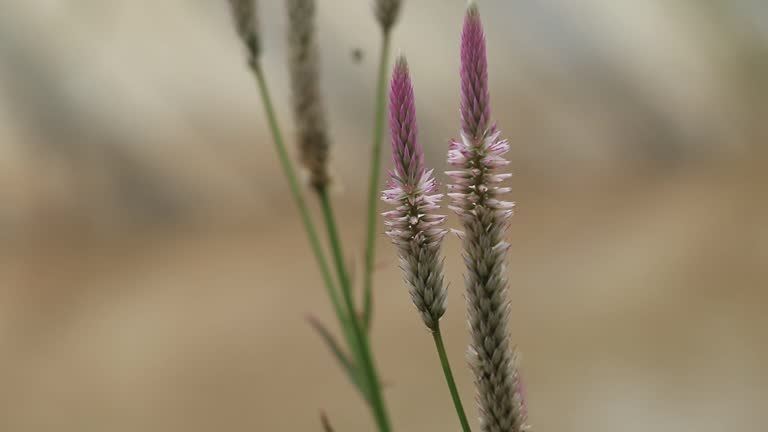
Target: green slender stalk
[373, 183]
[437, 335]
[345, 318]
[295, 187]
[336, 249]
[365, 357]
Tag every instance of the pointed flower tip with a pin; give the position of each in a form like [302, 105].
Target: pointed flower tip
[472, 10]
[407, 154]
[400, 77]
[401, 65]
[473, 27]
[475, 109]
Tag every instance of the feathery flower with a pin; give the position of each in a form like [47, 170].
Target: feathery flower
[246, 24]
[387, 12]
[414, 226]
[307, 101]
[476, 196]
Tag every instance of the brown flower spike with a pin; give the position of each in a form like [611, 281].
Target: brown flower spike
[308, 110]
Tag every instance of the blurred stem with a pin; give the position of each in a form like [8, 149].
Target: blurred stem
[373, 185]
[298, 197]
[438, 336]
[365, 356]
[295, 187]
[326, 423]
[345, 313]
[336, 248]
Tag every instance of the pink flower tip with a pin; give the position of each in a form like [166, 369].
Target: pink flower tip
[475, 100]
[407, 153]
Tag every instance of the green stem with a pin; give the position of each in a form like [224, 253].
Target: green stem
[339, 261]
[437, 335]
[373, 184]
[295, 187]
[365, 357]
[335, 241]
[345, 320]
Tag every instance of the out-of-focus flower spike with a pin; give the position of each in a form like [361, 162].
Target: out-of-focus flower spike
[387, 12]
[244, 14]
[308, 109]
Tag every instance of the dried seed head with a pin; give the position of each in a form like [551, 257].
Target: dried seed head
[413, 225]
[476, 195]
[246, 24]
[306, 97]
[387, 12]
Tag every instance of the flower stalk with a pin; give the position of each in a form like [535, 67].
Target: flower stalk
[437, 335]
[386, 12]
[360, 338]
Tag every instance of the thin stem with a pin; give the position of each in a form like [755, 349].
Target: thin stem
[335, 241]
[437, 335]
[349, 323]
[345, 319]
[295, 187]
[339, 261]
[373, 184]
[365, 357]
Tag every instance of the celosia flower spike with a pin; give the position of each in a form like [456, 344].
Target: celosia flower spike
[413, 225]
[476, 194]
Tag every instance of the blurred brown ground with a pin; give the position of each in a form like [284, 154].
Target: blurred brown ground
[154, 275]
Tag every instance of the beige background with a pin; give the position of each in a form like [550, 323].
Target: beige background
[154, 275]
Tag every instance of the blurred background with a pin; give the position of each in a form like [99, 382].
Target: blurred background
[154, 275]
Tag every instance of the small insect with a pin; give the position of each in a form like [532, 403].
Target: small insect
[357, 55]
